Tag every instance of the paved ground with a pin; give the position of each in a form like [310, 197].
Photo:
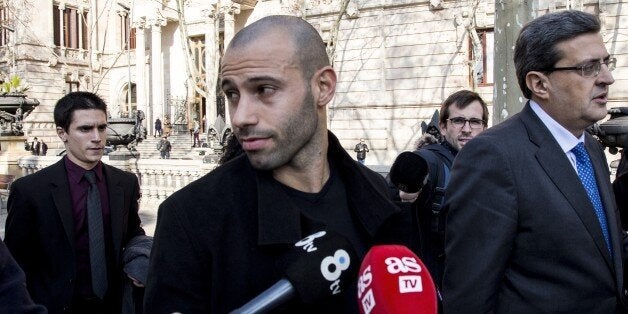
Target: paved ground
[149, 219]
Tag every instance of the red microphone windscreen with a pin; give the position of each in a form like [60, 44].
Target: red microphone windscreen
[394, 280]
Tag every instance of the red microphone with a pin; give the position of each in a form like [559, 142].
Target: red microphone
[394, 280]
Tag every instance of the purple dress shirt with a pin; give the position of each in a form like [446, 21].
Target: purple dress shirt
[78, 192]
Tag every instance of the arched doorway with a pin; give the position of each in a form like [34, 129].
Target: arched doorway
[128, 104]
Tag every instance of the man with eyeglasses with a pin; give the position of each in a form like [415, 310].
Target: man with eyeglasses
[532, 226]
[463, 115]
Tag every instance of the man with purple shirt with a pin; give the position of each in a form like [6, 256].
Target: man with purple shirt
[72, 260]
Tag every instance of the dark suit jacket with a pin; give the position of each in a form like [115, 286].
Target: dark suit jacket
[13, 295]
[40, 232]
[522, 235]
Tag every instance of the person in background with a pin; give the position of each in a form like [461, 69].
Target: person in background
[195, 132]
[35, 147]
[44, 147]
[361, 149]
[620, 186]
[164, 147]
[69, 223]
[158, 129]
[532, 224]
[463, 116]
[220, 241]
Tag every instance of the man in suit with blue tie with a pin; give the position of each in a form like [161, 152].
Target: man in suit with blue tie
[532, 224]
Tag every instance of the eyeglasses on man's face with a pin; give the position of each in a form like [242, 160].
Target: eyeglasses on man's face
[589, 69]
[459, 122]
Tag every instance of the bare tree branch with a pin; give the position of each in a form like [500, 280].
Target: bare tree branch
[193, 76]
[333, 39]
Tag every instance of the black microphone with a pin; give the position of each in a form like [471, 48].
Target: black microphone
[409, 172]
[324, 266]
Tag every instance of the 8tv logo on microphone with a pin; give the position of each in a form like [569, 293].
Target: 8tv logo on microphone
[331, 266]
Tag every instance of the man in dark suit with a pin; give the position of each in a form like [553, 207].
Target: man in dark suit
[69, 223]
[532, 224]
[13, 295]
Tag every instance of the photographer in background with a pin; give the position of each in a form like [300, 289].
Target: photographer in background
[620, 186]
[464, 115]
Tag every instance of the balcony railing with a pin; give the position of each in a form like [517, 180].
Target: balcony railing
[158, 178]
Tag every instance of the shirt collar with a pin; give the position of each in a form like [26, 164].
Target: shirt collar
[565, 139]
[76, 172]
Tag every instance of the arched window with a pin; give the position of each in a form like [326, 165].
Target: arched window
[130, 105]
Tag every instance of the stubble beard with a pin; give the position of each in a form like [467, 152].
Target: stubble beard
[297, 133]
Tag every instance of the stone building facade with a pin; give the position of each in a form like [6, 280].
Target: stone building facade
[396, 59]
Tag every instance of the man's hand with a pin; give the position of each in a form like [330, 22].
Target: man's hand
[136, 282]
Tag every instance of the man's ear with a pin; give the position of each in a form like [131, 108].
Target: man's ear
[62, 134]
[324, 82]
[538, 83]
[442, 127]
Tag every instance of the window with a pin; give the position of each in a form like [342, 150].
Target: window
[130, 106]
[71, 86]
[70, 27]
[4, 29]
[482, 66]
[127, 33]
[197, 45]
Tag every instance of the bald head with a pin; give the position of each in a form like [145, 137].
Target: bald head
[307, 45]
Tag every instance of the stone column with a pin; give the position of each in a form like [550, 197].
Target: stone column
[140, 71]
[61, 33]
[80, 32]
[229, 13]
[157, 71]
[211, 66]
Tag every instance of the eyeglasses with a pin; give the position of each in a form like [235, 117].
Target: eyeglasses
[591, 69]
[459, 122]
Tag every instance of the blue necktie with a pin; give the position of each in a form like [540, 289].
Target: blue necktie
[587, 177]
[96, 235]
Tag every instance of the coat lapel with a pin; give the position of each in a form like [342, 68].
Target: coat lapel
[602, 176]
[116, 207]
[558, 168]
[60, 189]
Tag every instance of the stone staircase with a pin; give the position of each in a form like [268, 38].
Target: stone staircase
[181, 147]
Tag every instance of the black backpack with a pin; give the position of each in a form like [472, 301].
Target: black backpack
[429, 212]
[440, 160]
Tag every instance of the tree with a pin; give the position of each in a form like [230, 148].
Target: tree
[333, 38]
[510, 16]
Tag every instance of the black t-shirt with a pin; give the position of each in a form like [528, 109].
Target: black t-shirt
[329, 209]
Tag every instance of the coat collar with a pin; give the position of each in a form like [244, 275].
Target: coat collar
[60, 190]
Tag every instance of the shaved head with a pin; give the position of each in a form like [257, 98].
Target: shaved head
[307, 45]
